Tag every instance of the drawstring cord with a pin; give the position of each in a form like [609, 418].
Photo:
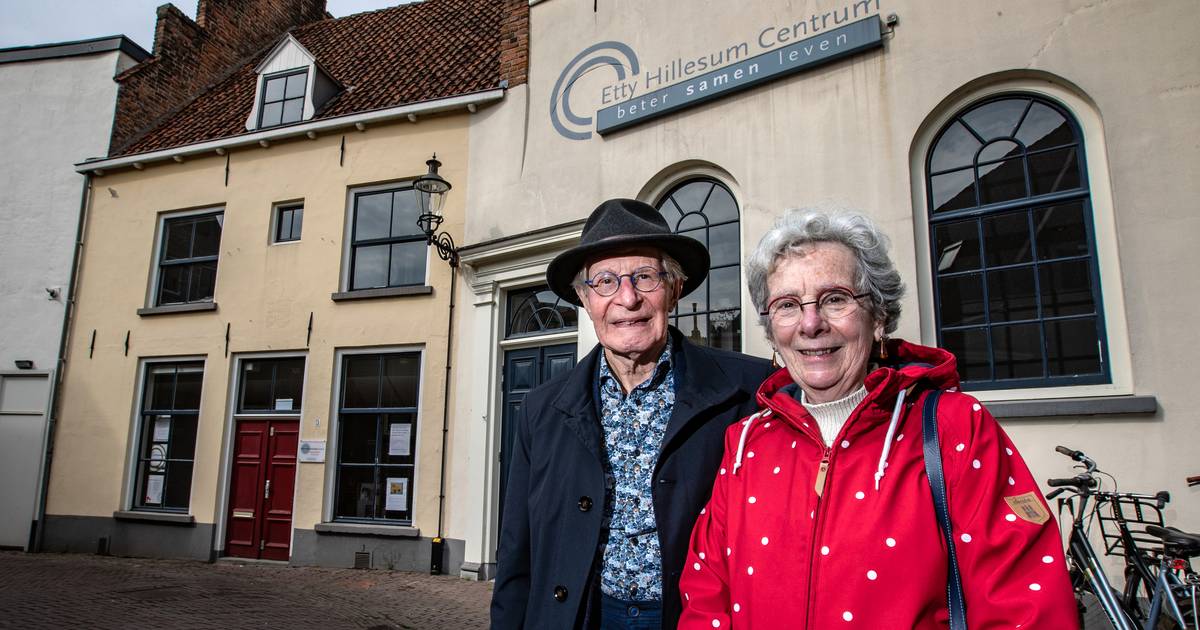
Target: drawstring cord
[891, 432]
[737, 462]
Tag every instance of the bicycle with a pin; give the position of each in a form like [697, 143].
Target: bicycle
[1156, 557]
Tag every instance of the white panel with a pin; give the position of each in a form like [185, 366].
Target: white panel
[23, 394]
[20, 455]
[289, 57]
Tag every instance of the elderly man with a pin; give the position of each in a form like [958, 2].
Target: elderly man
[613, 460]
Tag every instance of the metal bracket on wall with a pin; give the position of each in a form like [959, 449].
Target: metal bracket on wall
[127, 343]
[308, 339]
[227, 170]
[92, 346]
[342, 153]
[227, 324]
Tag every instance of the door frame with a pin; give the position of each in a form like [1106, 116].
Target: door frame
[229, 433]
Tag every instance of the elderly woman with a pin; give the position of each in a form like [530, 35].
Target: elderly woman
[822, 515]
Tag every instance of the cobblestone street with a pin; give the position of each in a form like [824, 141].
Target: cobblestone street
[85, 591]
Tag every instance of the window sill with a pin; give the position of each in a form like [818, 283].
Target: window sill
[155, 517]
[367, 294]
[177, 308]
[1088, 406]
[361, 529]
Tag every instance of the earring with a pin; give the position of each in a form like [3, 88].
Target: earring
[775, 365]
[883, 353]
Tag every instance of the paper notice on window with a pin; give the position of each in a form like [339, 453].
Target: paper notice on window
[283, 404]
[162, 428]
[397, 494]
[154, 488]
[400, 437]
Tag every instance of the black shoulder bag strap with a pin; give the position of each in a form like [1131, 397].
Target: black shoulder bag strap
[937, 484]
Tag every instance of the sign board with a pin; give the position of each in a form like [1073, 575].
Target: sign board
[312, 451]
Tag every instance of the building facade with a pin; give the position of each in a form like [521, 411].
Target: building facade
[1030, 161]
[58, 103]
[258, 364]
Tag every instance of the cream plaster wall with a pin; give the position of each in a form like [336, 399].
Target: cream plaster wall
[843, 134]
[264, 292]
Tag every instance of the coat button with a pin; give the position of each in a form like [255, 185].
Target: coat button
[585, 503]
[560, 593]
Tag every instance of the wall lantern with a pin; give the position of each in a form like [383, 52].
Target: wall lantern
[431, 190]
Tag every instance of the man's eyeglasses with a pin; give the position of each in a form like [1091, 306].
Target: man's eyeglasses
[786, 310]
[644, 279]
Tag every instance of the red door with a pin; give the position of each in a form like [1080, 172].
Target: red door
[264, 477]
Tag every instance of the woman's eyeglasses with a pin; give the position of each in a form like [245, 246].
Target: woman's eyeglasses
[644, 279]
[786, 310]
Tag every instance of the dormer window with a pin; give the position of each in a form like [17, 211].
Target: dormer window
[283, 98]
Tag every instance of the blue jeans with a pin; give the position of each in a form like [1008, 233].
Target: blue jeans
[618, 614]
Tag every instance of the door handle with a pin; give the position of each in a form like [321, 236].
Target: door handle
[267, 492]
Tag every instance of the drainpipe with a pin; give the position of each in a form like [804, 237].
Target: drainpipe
[438, 545]
[60, 363]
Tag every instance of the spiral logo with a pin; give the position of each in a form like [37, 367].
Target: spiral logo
[616, 54]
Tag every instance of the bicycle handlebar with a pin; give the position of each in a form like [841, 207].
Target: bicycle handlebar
[1078, 481]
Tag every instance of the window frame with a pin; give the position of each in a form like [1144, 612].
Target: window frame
[156, 276]
[1110, 301]
[263, 102]
[277, 211]
[349, 243]
[137, 432]
[333, 471]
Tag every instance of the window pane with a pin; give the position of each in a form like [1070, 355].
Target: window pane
[289, 383]
[400, 374]
[538, 310]
[1011, 295]
[272, 114]
[956, 148]
[1006, 239]
[1067, 288]
[725, 330]
[1061, 231]
[723, 245]
[293, 110]
[178, 485]
[373, 214]
[183, 436]
[957, 246]
[356, 444]
[399, 439]
[179, 238]
[297, 221]
[671, 214]
[693, 222]
[997, 119]
[187, 387]
[283, 231]
[1044, 128]
[408, 264]
[960, 300]
[1018, 351]
[720, 206]
[1053, 171]
[160, 390]
[172, 284]
[360, 383]
[690, 197]
[397, 492]
[404, 213]
[203, 283]
[724, 287]
[694, 327]
[370, 267]
[256, 385]
[295, 85]
[971, 349]
[999, 149]
[274, 89]
[208, 237]
[356, 492]
[696, 301]
[1002, 181]
[1073, 347]
[953, 191]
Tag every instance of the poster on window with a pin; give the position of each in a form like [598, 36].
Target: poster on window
[158, 458]
[154, 488]
[397, 494]
[162, 428]
[400, 436]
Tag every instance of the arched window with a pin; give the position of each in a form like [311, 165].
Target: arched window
[1015, 276]
[705, 210]
[538, 311]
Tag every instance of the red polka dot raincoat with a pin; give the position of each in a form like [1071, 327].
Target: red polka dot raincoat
[800, 535]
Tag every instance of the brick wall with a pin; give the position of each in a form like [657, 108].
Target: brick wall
[189, 56]
[514, 42]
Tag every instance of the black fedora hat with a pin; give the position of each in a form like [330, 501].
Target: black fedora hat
[621, 224]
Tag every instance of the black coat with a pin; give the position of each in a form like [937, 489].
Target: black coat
[550, 539]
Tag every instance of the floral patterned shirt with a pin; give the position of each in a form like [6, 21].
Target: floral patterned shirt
[634, 426]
